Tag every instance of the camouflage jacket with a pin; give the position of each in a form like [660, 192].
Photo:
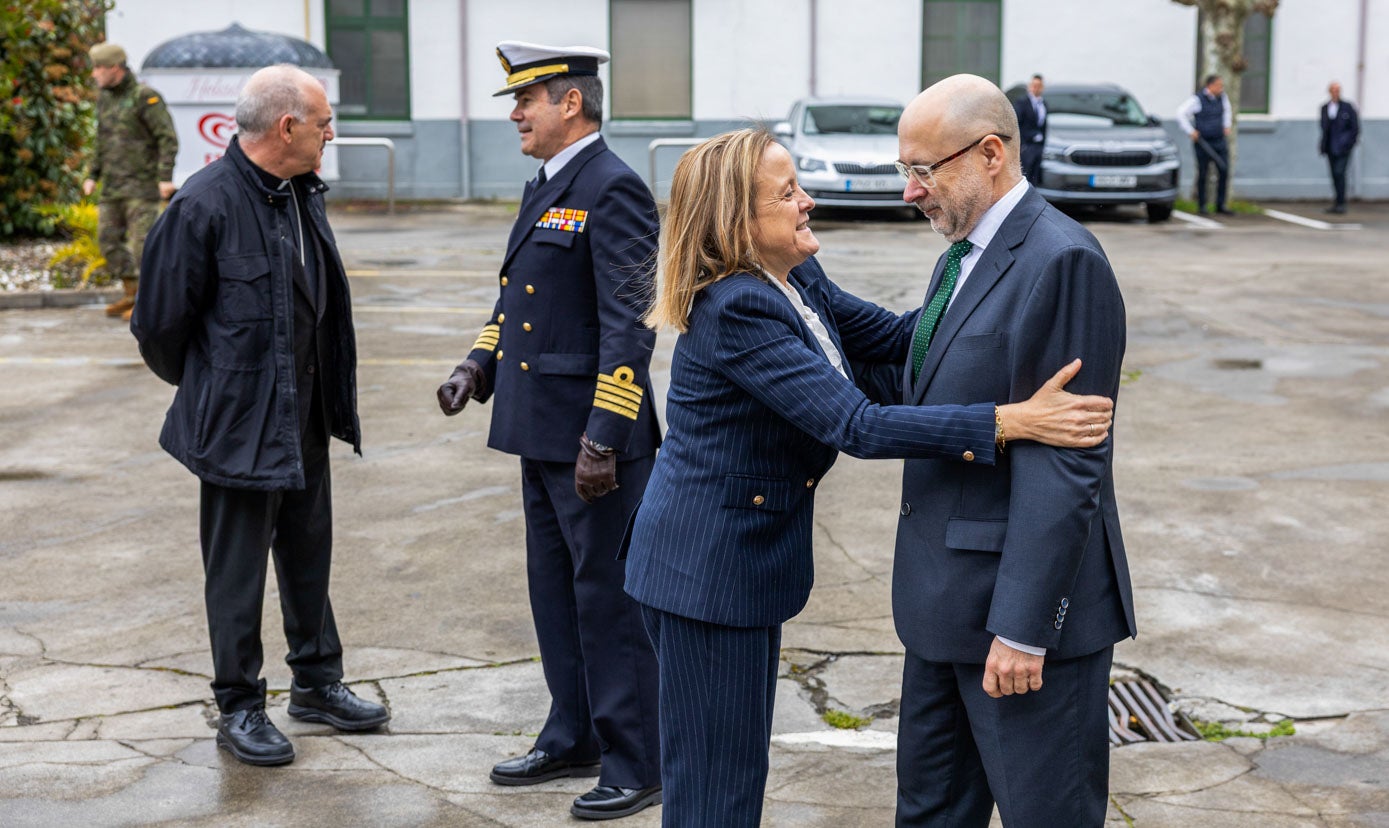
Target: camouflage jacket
[135, 141]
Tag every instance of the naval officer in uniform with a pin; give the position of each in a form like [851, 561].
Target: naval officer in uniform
[564, 360]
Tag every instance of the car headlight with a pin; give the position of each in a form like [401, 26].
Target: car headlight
[1054, 155]
[808, 164]
[1166, 153]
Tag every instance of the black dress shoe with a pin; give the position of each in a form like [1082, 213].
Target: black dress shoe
[1224, 211]
[251, 737]
[1336, 208]
[334, 704]
[607, 802]
[538, 766]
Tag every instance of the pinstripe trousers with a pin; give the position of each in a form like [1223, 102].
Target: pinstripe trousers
[717, 688]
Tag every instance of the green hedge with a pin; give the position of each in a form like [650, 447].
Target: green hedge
[47, 119]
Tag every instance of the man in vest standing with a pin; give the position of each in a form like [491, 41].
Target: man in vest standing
[1206, 117]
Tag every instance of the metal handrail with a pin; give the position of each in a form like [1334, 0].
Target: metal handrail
[665, 142]
[390, 162]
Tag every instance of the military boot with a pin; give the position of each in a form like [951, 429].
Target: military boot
[123, 306]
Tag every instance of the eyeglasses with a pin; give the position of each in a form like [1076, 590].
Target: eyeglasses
[925, 174]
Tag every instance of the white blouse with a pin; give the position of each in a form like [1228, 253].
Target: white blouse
[812, 319]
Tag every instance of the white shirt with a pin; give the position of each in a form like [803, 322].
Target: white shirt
[812, 320]
[1332, 107]
[554, 165]
[980, 236]
[1040, 108]
[1188, 110]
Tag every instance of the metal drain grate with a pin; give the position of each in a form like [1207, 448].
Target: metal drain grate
[1139, 713]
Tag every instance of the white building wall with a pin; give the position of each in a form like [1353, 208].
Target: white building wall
[869, 48]
[1146, 46]
[1376, 91]
[1313, 44]
[436, 68]
[551, 22]
[751, 58]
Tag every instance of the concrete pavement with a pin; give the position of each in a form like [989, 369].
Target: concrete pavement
[1252, 468]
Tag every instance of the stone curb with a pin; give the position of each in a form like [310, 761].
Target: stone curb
[19, 300]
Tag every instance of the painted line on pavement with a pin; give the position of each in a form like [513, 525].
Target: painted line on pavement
[1315, 224]
[1197, 221]
[869, 739]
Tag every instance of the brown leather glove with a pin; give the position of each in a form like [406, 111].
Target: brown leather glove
[467, 381]
[595, 472]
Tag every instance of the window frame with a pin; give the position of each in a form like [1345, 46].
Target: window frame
[612, 87]
[1244, 108]
[997, 37]
[366, 23]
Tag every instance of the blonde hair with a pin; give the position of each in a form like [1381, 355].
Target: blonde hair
[708, 225]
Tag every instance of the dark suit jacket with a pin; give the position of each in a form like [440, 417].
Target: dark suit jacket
[1028, 127]
[1030, 550]
[1338, 137]
[565, 351]
[756, 417]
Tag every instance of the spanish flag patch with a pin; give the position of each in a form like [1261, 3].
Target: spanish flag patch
[488, 339]
[153, 100]
[618, 393]
[559, 218]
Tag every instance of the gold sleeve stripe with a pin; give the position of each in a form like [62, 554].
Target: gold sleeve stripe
[621, 402]
[620, 392]
[488, 339]
[607, 406]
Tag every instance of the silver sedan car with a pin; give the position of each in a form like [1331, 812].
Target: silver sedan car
[844, 149]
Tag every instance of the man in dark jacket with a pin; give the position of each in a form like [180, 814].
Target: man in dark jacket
[245, 308]
[1340, 129]
[1032, 129]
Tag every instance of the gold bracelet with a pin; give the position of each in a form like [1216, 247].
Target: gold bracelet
[999, 437]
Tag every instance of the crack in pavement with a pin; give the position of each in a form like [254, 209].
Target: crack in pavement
[871, 576]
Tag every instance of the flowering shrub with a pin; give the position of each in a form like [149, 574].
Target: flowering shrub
[47, 120]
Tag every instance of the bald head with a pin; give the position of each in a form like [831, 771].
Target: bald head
[284, 120]
[958, 110]
[1334, 90]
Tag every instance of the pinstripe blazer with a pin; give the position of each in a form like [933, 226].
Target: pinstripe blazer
[757, 416]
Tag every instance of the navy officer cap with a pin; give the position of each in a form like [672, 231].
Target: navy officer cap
[527, 64]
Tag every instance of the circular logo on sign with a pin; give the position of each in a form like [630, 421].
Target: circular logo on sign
[216, 128]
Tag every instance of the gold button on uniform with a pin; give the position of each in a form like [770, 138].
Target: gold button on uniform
[501, 317]
[758, 500]
[525, 366]
[499, 355]
[530, 288]
[503, 281]
[968, 456]
[810, 484]
[526, 325]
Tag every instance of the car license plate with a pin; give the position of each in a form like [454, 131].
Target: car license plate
[873, 185]
[1107, 181]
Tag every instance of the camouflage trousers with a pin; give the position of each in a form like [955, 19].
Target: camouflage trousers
[122, 224]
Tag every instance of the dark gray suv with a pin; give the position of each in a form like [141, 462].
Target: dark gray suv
[1103, 149]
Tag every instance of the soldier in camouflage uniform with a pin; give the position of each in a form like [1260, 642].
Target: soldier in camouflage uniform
[135, 149]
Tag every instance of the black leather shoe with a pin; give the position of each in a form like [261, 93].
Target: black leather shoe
[607, 802]
[1336, 208]
[1225, 212]
[538, 766]
[251, 737]
[334, 704]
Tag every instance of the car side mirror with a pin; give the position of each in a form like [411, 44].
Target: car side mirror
[781, 129]
[1154, 120]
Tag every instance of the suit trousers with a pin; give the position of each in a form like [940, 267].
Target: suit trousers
[239, 527]
[1031, 156]
[598, 663]
[1042, 756]
[1338, 175]
[718, 685]
[1204, 161]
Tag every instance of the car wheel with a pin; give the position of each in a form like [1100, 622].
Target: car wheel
[1158, 211]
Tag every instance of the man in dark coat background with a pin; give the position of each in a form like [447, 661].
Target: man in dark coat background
[244, 306]
[564, 359]
[1032, 130]
[1340, 129]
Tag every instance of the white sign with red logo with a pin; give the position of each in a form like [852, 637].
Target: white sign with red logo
[203, 105]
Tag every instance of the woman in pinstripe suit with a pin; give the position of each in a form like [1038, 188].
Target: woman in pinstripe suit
[760, 404]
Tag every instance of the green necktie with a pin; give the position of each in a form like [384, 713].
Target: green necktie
[930, 316]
